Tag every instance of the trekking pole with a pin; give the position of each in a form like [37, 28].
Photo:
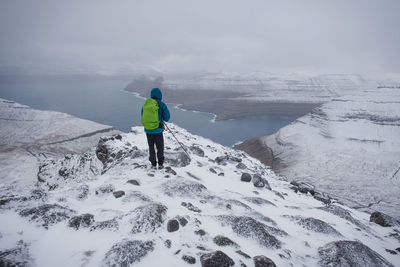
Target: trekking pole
[187, 154]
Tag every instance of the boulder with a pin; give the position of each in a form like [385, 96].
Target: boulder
[262, 261]
[127, 252]
[176, 159]
[259, 201]
[170, 170]
[316, 225]
[383, 219]
[216, 259]
[241, 166]
[303, 187]
[133, 182]
[148, 217]
[260, 182]
[350, 253]
[245, 177]
[118, 194]
[172, 225]
[189, 259]
[223, 241]
[190, 207]
[212, 170]
[197, 150]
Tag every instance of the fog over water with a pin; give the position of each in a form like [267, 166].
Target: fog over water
[121, 37]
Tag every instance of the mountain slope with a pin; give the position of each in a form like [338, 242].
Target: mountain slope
[218, 208]
[349, 147]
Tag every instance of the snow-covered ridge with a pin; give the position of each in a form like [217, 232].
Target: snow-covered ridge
[349, 146]
[219, 207]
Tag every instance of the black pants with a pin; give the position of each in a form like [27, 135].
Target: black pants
[158, 140]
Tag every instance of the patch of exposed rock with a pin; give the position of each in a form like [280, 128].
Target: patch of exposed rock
[84, 220]
[182, 188]
[350, 253]
[216, 259]
[344, 214]
[47, 214]
[383, 219]
[127, 252]
[17, 256]
[177, 159]
[262, 261]
[259, 201]
[148, 217]
[315, 225]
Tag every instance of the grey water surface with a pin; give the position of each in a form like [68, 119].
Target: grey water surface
[103, 100]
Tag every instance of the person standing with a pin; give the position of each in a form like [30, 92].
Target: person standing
[154, 112]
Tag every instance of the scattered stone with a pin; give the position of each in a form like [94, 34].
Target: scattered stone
[133, 182]
[167, 243]
[221, 174]
[262, 261]
[119, 137]
[350, 253]
[182, 221]
[189, 259]
[383, 219]
[197, 150]
[84, 220]
[108, 225]
[150, 174]
[190, 207]
[216, 259]
[200, 232]
[166, 176]
[18, 256]
[243, 254]
[260, 182]
[47, 214]
[201, 248]
[303, 187]
[245, 177]
[178, 251]
[148, 217]
[241, 166]
[224, 241]
[127, 252]
[118, 194]
[213, 171]
[170, 170]
[222, 160]
[172, 225]
[278, 194]
[193, 176]
[105, 189]
[83, 191]
[228, 206]
[323, 197]
[177, 159]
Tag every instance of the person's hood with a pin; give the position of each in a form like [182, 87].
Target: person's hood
[156, 92]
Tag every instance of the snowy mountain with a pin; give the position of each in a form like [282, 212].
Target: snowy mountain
[220, 207]
[28, 135]
[349, 147]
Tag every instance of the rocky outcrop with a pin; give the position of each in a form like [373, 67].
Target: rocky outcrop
[262, 261]
[223, 241]
[17, 256]
[176, 159]
[47, 214]
[127, 252]
[216, 259]
[315, 225]
[344, 214]
[350, 253]
[383, 219]
[84, 220]
[183, 188]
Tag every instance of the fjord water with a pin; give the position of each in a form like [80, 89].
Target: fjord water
[103, 100]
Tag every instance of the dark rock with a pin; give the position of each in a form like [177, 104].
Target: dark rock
[178, 251]
[136, 196]
[245, 177]
[167, 243]
[228, 206]
[398, 249]
[260, 182]
[47, 214]
[38, 193]
[105, 189]
[193, 176]
[344, 214]
[182, 188]
[323, 197]
[243, 254]
[126, 252]
[106, 225]
[216, 259]
[222, 160]
[259, 201]
[170, 170]
[16, 257]
[118, 194]
[221, 174]
[150, 175]
[262, 261]
[241, 166]
[148, 217]
[83, 191]
[250, 228]
[118, 136]
[177, 159]
[190, 207]
[84, 220]
[393, 252]
[189, 259]
[182, 221]
[303, 187]
[200, 232]
[213, 171]
[350, 253]
[201, 248]
[133, 182]
[224, 241]
[383, 219]
[316, 225]
[278, 194]
[172, 225]
[197, 150]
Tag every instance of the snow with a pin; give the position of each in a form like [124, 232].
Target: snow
[349, 147]
[60, 245]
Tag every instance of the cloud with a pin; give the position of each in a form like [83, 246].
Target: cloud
[188, 36]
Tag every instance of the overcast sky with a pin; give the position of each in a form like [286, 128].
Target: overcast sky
[175, 36]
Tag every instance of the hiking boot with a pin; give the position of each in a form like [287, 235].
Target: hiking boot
[153, 167]
[160, 167]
